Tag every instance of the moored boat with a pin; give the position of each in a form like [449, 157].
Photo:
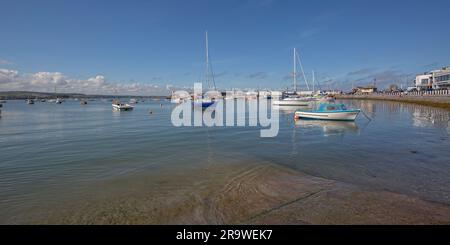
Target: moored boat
[204, 100]
[117, 106]
[202, 103]
[337, 112]
[293, 101]
[294, 98]
[30, 102]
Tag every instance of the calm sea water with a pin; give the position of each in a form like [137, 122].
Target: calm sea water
[50, 151]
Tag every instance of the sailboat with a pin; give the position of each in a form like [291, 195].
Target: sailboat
[57, 100]
[319, 95]
[203, 101]
[293, 99]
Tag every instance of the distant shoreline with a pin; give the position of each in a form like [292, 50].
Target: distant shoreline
[23, 95]
[434, 101]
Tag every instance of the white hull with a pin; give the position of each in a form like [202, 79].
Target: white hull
[342, 116]
[291, 103]
[179, 100]
[122, 107]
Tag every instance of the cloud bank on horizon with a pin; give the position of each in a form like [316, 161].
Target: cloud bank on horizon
[13, 80]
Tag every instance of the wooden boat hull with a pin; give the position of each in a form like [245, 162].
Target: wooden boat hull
[349, 115]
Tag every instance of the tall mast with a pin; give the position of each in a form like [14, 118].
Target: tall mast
[314, 81]
[295, 71]
[207, 60]
[301, 67]
[209, 69]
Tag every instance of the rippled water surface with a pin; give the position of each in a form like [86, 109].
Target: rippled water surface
[50, 152]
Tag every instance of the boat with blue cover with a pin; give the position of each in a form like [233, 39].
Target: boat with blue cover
[337, 112]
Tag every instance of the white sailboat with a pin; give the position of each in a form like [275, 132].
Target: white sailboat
[294, 99]
[57, 100]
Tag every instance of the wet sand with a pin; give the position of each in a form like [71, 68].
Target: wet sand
[236, 193]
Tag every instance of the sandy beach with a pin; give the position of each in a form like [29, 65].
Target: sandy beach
[238, 193]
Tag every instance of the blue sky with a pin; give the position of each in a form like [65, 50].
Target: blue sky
[251, 41]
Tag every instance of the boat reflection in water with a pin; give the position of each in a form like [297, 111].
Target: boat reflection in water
[329, 127]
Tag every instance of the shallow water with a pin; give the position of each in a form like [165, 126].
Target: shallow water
[53, 153]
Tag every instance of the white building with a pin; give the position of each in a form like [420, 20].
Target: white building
[424, 81]
[437, 79]
[442, 79]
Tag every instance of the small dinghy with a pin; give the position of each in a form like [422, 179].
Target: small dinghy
[337, 112]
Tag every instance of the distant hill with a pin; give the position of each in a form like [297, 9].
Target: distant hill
[13, 95]
[23, 95]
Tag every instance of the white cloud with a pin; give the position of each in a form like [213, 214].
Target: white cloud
[45, 79]
[8, 76]
[11, 80]
[5, 62]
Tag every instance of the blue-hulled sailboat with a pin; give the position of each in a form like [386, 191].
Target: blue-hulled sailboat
[203, 101]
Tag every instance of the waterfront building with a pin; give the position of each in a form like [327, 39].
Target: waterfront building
[442, 79]
[424, 81]
[365, 90]
[436, 79]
